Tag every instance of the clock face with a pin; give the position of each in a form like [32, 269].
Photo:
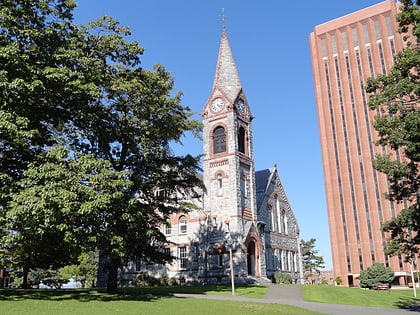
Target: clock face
[241, 105]
[217, 104]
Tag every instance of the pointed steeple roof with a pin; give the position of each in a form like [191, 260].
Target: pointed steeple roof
[226, 77]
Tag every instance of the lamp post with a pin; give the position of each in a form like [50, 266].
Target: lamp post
[412, 276]
[232, 276]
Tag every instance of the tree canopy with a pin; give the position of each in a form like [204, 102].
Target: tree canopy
[85, 136]
[396, 96]
[312, 262]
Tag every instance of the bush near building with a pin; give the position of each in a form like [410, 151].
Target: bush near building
[376, 275]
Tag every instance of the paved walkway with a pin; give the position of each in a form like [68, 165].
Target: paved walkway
[292, 295]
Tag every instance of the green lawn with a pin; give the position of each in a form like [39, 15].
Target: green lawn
[160, 301]
[136, 302]
[249, 291]
[356, 296]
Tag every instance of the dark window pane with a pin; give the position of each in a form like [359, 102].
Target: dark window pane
[219, 140]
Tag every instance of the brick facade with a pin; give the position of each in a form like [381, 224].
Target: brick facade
[345, 52]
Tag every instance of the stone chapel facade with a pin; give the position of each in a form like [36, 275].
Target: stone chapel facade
[242, 211]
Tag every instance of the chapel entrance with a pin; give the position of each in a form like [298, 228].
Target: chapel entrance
[251, 258]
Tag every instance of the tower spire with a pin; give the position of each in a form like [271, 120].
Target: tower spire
[226, 78]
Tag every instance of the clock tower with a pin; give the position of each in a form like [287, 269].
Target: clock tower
[228, 166]
[243, 230]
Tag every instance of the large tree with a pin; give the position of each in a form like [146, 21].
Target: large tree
[53, 216]
[40, 82]
[396, 95]
[36, 96]
[134, 122]
[85, 135]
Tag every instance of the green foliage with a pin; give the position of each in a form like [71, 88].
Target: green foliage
[16, 279]
[282, 278]
[85, 271]
[375, 275]
[146, 280]
[409, 16]
[53, 215]
[338, 280]
[324, 281]
[85, 135]
[312, 262]
[396, 97]
[49, 277]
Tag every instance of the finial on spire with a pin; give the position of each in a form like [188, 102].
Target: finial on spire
[223, 16]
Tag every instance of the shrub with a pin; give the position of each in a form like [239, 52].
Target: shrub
[338, 280]
[165, 281]
[172, 282]
[375, 275]
[145, 280]
[324, 281]
[282, 278]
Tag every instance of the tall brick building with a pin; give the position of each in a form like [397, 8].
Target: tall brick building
[242, 210]
[345, 52]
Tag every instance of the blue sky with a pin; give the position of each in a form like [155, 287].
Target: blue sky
[269, 41]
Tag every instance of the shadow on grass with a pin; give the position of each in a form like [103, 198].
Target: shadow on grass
[69, 294]
[245, 290]
[124, 294]
[409, 303]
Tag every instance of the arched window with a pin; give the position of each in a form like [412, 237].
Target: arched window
[241, 140]
[284, 222]
[219, 140]
[273, 218]
[182, 224]
[219, 184]
[277, 210]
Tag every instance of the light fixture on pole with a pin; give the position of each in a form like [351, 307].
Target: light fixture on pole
[232, 276]
[411, 261]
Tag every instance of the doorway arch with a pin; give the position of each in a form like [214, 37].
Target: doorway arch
[251, 258]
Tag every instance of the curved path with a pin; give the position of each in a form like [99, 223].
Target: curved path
[292, 295]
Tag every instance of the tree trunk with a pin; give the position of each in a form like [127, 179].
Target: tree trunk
[112, 283]
[25, 278]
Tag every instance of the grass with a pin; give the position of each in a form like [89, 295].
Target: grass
[356, 296]
[248, 291]
[138, 302]
[161, 301]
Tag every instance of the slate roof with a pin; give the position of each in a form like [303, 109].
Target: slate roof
[262, 179]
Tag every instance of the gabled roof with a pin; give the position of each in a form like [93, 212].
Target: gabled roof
[262, 181]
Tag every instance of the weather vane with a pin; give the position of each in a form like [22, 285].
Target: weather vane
[223, 15]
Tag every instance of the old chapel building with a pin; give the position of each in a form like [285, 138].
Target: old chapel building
[242, 211]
